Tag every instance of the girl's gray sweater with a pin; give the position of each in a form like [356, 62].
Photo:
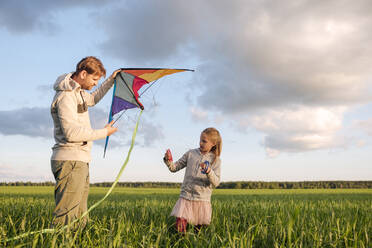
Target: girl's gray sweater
[197, 186]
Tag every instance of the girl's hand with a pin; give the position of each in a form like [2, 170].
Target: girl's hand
[205, 168]
[168, 157]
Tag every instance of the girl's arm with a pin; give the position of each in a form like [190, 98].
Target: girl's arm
[215, 173]
[180, 164]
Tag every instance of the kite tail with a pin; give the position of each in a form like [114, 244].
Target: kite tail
[110, 118]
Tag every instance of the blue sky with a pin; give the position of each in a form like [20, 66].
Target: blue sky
[287, 84]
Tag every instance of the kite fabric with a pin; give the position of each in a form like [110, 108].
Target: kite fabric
[127, 84]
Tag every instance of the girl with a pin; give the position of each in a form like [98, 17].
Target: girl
[202, 172]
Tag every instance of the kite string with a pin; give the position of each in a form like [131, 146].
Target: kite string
[148, 87]
[120, 116]
[52, 230]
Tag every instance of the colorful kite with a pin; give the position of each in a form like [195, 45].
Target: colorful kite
[127, 84]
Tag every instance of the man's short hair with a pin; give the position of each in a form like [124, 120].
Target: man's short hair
[92, 65]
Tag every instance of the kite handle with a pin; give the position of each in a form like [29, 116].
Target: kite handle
[204, 171]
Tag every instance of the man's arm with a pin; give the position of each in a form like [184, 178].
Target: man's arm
[94, 97]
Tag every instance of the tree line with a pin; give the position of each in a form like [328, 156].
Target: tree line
[226, 185]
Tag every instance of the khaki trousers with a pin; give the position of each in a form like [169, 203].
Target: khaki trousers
[71, 191]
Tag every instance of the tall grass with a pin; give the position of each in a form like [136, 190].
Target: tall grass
[241, 218]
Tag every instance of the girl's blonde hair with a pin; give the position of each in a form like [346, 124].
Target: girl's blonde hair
[215, 137]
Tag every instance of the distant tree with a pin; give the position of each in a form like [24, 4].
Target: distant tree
[238, 185]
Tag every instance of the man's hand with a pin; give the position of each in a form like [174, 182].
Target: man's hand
[113, 75]
[110, 128]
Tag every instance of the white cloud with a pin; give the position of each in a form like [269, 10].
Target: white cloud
[301, 129]
[260, 57]
[272, 153]
[360, 143]
[9, 173]
[148, 132]
[23, 16]
[198, 115]
[365, 125]
[37, 122]
[33, 122]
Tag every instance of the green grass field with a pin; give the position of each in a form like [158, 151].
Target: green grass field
[133, 217]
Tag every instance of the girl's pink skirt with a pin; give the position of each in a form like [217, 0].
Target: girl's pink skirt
[195, 212]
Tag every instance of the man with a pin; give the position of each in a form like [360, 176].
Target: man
[73, 136]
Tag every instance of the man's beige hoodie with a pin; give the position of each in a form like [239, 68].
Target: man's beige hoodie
[73, 133]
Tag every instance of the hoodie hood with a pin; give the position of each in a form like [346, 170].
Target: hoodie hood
[65, 83]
